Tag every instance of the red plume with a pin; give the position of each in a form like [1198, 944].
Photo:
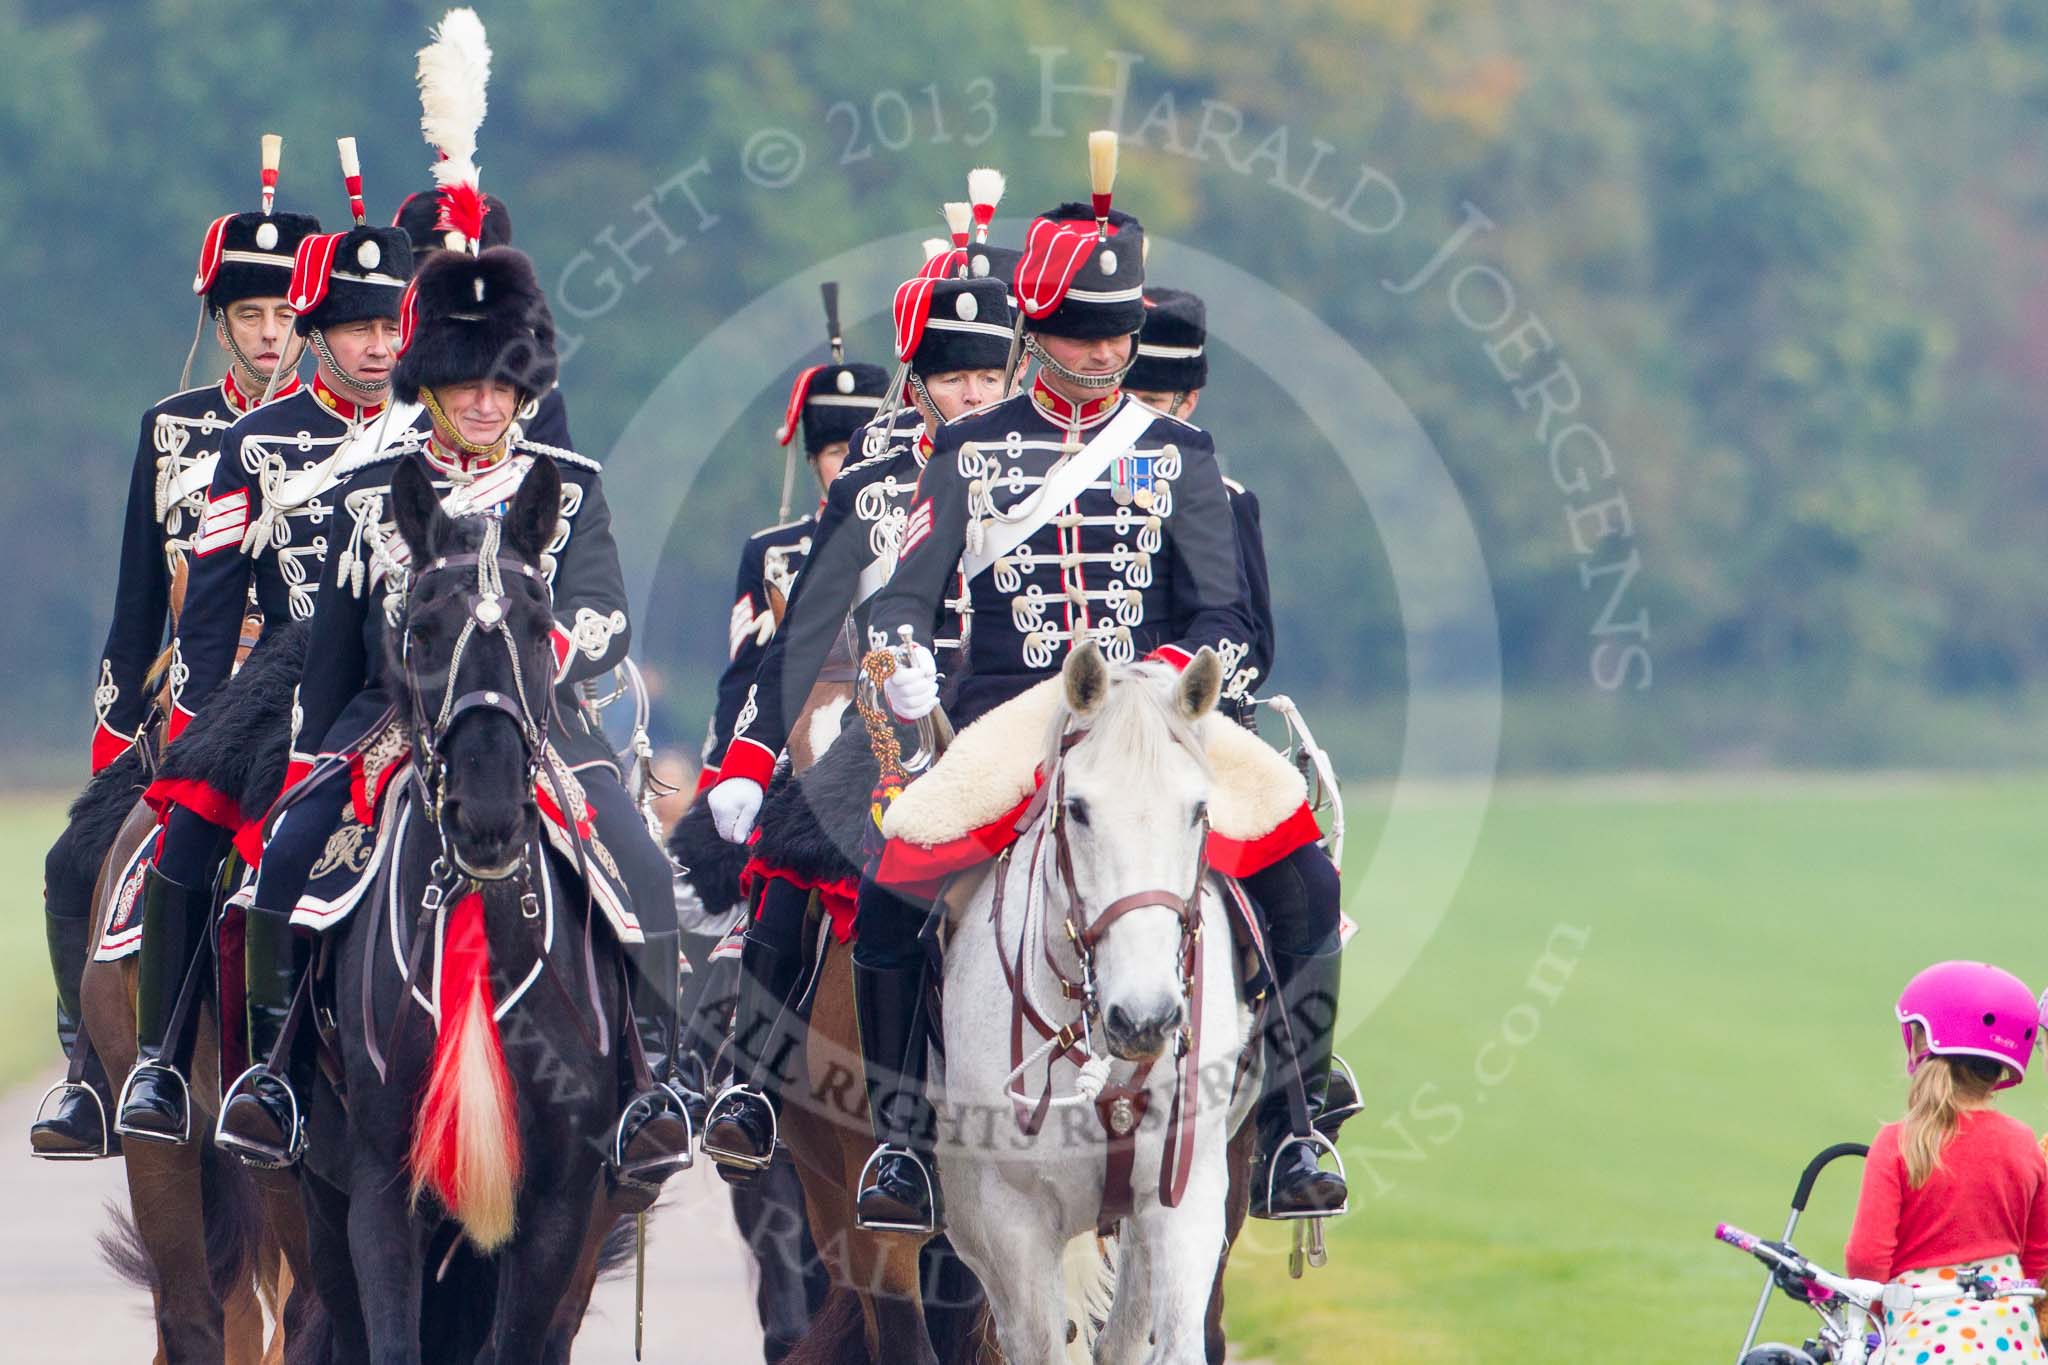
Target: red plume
[462, 210]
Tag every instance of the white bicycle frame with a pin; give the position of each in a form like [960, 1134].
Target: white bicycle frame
[1852, 1320]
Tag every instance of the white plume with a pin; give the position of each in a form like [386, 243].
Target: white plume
[934, 245]
[985, 186]
[454, 69]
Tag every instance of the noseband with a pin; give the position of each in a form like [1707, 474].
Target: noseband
[1087, 937]
[486, 618]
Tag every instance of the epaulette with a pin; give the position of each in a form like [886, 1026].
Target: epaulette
[559, 454]
[780, 526]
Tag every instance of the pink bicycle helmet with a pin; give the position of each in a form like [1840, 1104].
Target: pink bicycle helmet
[1970, 1009]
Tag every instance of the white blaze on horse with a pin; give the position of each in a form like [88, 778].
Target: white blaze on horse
[1090, 989]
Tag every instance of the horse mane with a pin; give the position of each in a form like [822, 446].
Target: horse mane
[1137, 720]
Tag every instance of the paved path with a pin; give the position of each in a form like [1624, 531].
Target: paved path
[60, 1305]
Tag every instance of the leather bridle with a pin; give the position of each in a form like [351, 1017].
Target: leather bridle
[486, 619]
[1119, 1108]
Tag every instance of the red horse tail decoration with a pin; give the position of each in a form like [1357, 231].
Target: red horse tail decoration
[465, 1141]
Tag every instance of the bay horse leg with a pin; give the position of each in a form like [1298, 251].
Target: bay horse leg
[384, 1248]
[828, 1134]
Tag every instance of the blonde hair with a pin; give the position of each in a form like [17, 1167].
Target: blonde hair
[1942, 1088]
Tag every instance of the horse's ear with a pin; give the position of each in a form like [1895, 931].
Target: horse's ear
[530, 522]
[1201, 682]
[418, 509]
[1087, 679]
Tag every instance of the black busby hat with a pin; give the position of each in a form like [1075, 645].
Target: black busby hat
[249, 255]
[1083, 270]
[420, 216]
[830, 402]
[1082, 274]
[956, 324]
[1173, 345]
[349, 276]
[475, 317]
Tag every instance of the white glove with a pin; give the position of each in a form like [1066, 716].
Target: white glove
[913, 689]
[735, 805]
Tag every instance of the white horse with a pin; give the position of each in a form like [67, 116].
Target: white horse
[1105, 917]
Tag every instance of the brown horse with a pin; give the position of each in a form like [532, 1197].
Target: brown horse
[207, 1307]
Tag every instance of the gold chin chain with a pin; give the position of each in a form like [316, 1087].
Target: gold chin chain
[446, 430]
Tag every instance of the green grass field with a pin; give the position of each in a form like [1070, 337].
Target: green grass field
[1547, 1150]
[1728, 1014]
[28, 1047]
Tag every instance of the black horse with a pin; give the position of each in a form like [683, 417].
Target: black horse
[444, 1134]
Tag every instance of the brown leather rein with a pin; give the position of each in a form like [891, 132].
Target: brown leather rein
[1119, 1108]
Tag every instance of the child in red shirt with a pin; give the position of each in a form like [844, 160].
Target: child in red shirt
[1955, 1185]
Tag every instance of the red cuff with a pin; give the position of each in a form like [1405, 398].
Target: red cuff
[295, 772]
[565, 649]
[707, 778]
[749, 759]
[175, 726]
[1171, 654]
[108, 745]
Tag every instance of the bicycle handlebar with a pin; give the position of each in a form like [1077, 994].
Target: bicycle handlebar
[1822, 1286]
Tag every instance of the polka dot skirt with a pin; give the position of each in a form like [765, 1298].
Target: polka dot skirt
[1966, 1330]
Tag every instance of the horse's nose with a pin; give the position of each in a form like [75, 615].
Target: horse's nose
[1139, 1033]
[488, 831]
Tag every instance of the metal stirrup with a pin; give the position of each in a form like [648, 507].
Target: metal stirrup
[127, 1092]
[1321, 1144]
[682, 1161]
[255, 1153]
[929, 1226]
[726, 1156]
[106, 1146]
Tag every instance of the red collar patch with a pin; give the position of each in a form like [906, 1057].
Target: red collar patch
[239, 402]
[342, 407]
[1068, 413]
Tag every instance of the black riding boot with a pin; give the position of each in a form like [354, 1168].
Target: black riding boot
[740, 1132]
[653, 1137]
[1287, 1179]
[706, 1006]
[156, 1104]
[259, 1118]
[77, 1123]
[899, 1189]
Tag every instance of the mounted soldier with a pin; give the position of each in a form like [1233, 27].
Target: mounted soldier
[244, 274]
[953, 341]
[544, 420]
[1079, 516]
[269, 518]
[827, 404]
[478, 344]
